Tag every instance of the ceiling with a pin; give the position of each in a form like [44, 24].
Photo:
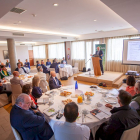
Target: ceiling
[73, 18]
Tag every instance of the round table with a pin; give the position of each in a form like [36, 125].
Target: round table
[66, 71]
[93, 123]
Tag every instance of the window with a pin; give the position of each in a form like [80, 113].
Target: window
[56, 51]
[94, 43]
[78, 50]
[39, 51]
[88, 53]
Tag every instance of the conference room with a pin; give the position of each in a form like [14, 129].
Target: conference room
[69, 70]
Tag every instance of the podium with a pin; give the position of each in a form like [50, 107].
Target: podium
[96, 65]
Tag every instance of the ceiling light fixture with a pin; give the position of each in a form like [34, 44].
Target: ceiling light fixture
[55, 4]
[7, 28]
[95, 20]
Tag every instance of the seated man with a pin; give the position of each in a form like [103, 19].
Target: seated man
[45, 70]
[70, 130]
[55, 65]
[3, 72]
[63, 61]
[53, 81]
[48, 62]
[15, 80]
[7, 63]
[29, 123]
[20, 69]
[122, 118]
[37, 64]
[27, 64]
[135, 103]
[20, 62]
[2, 90]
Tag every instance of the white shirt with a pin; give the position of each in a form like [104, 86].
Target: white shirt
[134, 105]
[55, 81]
[69, 131]
[21, 71]
[98, 52]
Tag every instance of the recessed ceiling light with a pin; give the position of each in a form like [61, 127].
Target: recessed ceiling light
[95, 20]
[55, 4]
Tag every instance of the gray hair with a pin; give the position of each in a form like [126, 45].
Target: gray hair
[137, 85]
[20, 98]
[39, 68]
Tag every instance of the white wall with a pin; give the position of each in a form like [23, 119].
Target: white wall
[22, 53]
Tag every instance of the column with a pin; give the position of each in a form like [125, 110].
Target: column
[12, 54]
[68, 51]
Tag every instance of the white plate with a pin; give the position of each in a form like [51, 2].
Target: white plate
[111, 100]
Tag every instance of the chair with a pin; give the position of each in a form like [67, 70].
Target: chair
[75, 69]
[47, 76]
[16, 91]
[16, 134]
[131, 134]
[43, 85]
[3, 99]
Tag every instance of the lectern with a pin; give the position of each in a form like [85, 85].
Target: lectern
[96, 65]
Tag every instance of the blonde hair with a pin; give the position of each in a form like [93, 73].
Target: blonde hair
[35, 81]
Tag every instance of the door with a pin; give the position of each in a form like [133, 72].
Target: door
[31, 57]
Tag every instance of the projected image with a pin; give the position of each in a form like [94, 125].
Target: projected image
[133, 51]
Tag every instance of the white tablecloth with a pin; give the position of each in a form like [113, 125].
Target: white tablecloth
[66, 71]
[93, 123]
[7, 84]
[27, 69]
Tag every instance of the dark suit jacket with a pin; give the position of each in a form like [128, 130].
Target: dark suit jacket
[62, 61]
[122, 118]
[55, 65]
[45, 70]
[36, 92]
[52, 83]
[48, 63]
[100, 53]
[31, 126]
[38, 65]
[22, 68]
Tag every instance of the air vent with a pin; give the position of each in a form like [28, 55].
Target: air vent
[63, 37]
[17, 10]
[18, 34]
[22, 44]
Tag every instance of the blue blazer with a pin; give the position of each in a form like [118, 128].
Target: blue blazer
[45, 70]
[52, 83]
[30, 125]
[22, 68]
[36, 92]
[48, 63]
[55, 65]
[27, 64]
[100, 53]
[38, 65]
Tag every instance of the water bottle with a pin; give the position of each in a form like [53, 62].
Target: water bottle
[76, 85]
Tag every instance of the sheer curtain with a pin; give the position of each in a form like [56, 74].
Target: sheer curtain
[56, 51]
[114, 48]
[39, 53]
[78, 54]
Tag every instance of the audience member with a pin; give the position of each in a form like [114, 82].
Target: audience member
[53, 81]
[135, 103]
[70, 130]
[7, 63]
[37, 64]
[27, 64]
[130, 85]
[20, 62]
[3, 72]
[15, 80]
[2, 90]
[28, 90]
[48, 62]
[36, 91]
[122, 118]
[42, 76]
[55, 65]
[29, 123]
[63, 61]
[45, 70]
[20, 69]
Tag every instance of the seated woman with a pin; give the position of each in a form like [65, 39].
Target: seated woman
[28, 90]
[27, 64]
[130, 85]
[3, 72]
[36, 91]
